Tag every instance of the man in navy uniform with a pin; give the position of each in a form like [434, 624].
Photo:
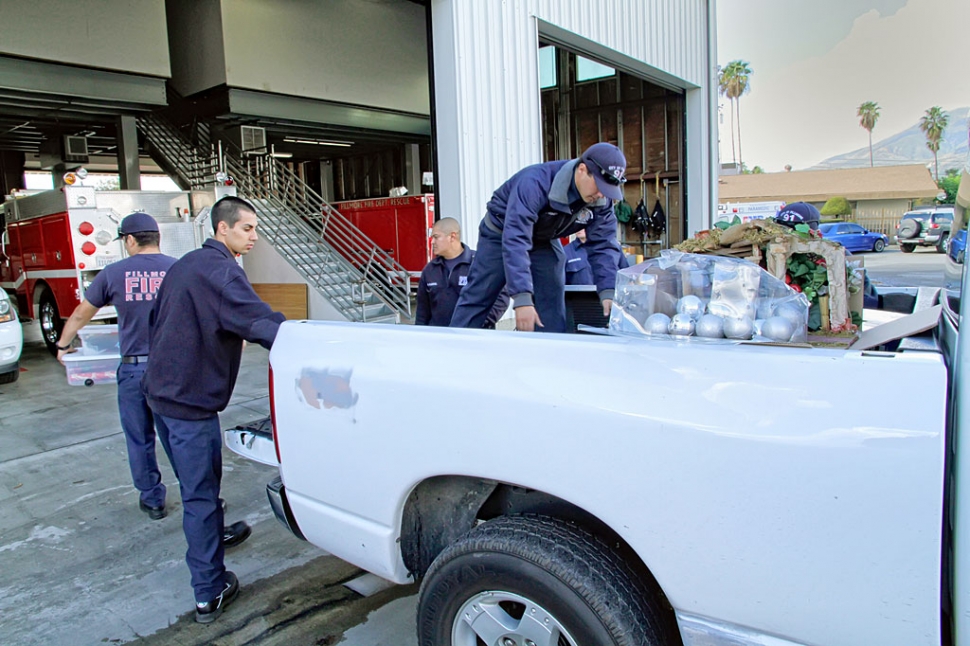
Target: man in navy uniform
[205, 309]
[130, 285]
[446, 275]
[578, 271]
[518, 241]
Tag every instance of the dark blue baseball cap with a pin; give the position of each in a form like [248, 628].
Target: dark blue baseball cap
[137, 222]
[608, 167]
[799, 213]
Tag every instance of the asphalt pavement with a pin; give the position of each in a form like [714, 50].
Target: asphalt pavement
[892, 268]
[81, 564]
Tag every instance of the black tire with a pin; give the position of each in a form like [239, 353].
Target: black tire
[878, 245]
[10, 377]
[516, 565]
[907, 248]
[51, 323]
[942, 245]
[909, 229]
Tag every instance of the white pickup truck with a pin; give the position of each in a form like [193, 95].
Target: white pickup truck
[606, 490]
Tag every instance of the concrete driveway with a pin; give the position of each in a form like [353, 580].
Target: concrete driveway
[80, 564]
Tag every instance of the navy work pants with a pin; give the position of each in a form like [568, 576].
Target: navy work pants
[138, 423]
[196, 451]
[486, 278]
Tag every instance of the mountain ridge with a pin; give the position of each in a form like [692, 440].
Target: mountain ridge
[909, 147]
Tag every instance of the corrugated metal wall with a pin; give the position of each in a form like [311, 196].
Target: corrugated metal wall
[487, 89]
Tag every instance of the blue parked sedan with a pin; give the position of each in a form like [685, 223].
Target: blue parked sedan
[958, 246]
[854, 237]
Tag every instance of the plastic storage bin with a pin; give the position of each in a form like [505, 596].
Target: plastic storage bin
[100, 339]
[97, 360]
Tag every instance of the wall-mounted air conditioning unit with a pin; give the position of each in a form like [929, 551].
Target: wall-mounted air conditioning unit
[75, 149]
[252, 138]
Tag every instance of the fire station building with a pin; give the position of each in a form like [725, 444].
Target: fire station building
[353, 124]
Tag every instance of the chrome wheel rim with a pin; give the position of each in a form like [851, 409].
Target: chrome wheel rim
[47, 322]
[497, 618]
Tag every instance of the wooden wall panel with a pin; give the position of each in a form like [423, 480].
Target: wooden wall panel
[288, 298]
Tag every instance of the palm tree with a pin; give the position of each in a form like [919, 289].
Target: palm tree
[933, 124]
[735, 81]
[868, 114]
[722, 88]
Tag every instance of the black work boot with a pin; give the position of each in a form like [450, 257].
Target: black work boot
[209, 611]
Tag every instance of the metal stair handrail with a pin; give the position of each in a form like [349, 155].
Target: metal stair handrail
[196, 168]
[325, 230]
[321, 243]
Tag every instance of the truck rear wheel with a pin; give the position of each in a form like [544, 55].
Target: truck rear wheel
[536, 580]
[906, 248]
[51, 323]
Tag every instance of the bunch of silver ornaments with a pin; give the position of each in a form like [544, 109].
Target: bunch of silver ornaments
[738, 328]
[691, 306]
[681, 325]
[778, 328]
[657, 323]
[710, 326]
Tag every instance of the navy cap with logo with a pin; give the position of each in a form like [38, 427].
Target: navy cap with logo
[137, 222]
[799, 213]
[607, 165]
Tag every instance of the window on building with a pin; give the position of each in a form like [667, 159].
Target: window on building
[547, 67]
[587, 70]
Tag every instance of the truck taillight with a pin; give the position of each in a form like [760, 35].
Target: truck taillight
[934, 225]
[272, 415]
[88, 248]
[85, 228]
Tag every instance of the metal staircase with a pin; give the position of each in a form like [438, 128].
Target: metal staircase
[361, 280]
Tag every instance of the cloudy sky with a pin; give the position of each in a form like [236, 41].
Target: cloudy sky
[816, 61]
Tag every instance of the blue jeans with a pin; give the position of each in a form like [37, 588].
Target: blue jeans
[486, 278]
[196, 451]
[138, 423]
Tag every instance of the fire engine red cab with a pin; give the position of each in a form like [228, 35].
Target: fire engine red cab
[55, 242]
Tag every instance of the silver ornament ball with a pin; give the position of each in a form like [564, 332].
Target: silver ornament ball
[778, 328]
[794, 313]
[691, 306]
[738, 328]
[681, 325]
[656, 323]
[710, 326]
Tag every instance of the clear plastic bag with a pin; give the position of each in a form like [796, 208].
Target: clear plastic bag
[705, 296]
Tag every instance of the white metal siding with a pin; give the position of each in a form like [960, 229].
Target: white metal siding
[487, 88]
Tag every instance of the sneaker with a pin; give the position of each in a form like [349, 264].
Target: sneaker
[209, 611]
[155, 513]
[235, 534]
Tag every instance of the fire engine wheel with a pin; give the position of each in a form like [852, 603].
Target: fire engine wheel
[536, 580]
[51, 323]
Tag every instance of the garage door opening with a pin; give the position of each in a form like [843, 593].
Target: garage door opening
[584, 101]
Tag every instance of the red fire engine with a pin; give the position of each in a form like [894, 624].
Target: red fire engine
[399, 225]
[55, 242]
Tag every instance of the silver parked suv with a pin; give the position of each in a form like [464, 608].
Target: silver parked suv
[927, 227]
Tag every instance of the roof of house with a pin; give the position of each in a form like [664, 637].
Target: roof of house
[880, 183]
